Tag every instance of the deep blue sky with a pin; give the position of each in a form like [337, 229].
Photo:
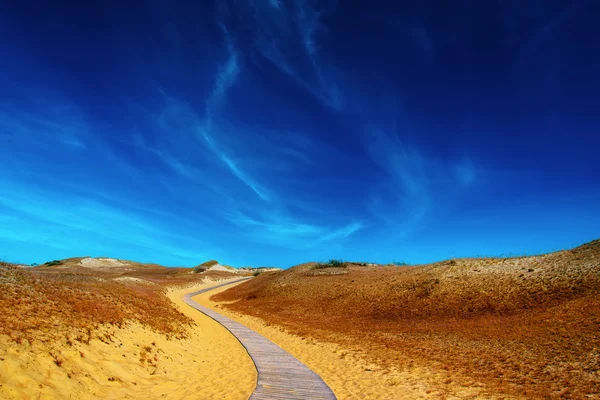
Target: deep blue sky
[276, 132]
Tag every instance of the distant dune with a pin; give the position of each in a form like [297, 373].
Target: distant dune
[523, 326]
[112, 267]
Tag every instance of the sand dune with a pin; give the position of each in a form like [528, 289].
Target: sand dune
[468, 328]
[101, 262]
[131, 362]
[522, 326]
[347, 372]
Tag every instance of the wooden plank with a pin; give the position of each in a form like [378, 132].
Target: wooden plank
[280, 375]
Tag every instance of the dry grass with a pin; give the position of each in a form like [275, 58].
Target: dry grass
[47, 306]
[68, 299]
[522, 326]
[209, 263]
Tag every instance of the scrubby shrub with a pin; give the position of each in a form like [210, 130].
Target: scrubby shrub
[333, 263]
[53, 263]
[257, 273]
[336, 263]
[199, 269]
[400, 263]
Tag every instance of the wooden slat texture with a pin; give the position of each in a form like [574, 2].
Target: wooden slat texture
[280, 375]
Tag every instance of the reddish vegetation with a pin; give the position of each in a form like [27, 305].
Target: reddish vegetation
[525, 326]
[44, 306]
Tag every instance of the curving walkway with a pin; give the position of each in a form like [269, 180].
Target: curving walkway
[280, 375]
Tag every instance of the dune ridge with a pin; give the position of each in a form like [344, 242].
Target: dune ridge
[522, 326]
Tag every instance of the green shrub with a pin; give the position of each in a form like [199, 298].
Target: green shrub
[199, 269]
[336, 263]
[333, 263]
[209, 263]
[400, 263]
[257, 273]
[53, 263]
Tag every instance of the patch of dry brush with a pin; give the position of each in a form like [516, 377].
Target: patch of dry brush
[524, 326]
[47, 307]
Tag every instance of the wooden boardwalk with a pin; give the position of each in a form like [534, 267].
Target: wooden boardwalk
[280, 375]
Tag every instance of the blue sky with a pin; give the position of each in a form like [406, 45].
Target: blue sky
[276, 132]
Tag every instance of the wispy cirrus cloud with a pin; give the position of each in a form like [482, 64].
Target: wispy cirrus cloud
[276, 229]
[546, 22]
[283, 31]
[337, 234]
[53, 128]
[226, 144]
[237, 171]
[178, 124]
[207, 129]
[50, 216]
[414, 183]
[226, 75]
[47, 128]
[239, 129]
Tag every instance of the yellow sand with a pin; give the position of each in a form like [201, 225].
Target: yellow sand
[211, 364]
[346, 373]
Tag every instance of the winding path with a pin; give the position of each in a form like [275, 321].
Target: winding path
[280, 375]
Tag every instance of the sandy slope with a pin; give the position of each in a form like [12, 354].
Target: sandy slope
[210, 364]
[346, 373]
